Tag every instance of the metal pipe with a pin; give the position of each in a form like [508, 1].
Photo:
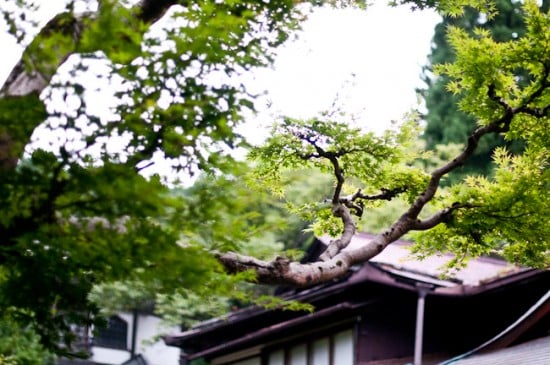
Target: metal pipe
[134, 332]
[419, 326]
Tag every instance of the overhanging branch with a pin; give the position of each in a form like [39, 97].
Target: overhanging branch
[335, 261]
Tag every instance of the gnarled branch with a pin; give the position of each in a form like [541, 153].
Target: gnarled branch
[336, 260]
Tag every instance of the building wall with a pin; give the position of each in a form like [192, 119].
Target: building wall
[334, 348]
[154, 351]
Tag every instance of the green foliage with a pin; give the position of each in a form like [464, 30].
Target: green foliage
[446, 121]
[20, 345]
[503, 214]
[508, 218]
[451, 8]
[241, 216]
[226, 214]
[368, 161]
[379, 217]
[18, 116]
[270, 302]
[509, 211]
[116, 30]
[482, 63]
[293, 144]
[94, 230]
[184, 305]
[82, 215]
[186, 308]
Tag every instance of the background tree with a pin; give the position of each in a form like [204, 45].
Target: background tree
[268, 221]
[446, 121]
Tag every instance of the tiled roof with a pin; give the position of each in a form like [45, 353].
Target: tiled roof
[397, 256]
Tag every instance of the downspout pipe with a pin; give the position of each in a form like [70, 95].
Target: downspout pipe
[134, 333]
[423, 290]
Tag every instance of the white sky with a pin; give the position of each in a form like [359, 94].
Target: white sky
[371, 58]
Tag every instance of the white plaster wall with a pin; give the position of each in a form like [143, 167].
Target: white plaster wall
[104, 355]
[155, 352]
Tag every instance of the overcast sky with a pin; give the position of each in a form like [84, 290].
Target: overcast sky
[372, 58]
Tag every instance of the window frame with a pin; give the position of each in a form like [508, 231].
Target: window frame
[111, 337]
[328, 333]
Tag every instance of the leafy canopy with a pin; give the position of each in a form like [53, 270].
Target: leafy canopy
[446, 122]
[78, 205]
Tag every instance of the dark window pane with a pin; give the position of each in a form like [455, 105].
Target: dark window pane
[114, 336]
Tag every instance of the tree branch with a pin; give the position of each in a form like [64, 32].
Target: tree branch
[335, 261]
[283, 271]
[24, 81]
[337, 245]
[440, 217]
[149, 11]
[498, 126]
[386, 194]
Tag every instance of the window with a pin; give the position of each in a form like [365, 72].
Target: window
[321, 354]
[336, 349]
[298, 355]
[114, 335]
[343, 348]
[276, 358]
[333, 349]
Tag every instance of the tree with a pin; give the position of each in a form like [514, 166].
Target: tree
[446, 122]
[506, 214]
[84, 212]
[262, 221]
